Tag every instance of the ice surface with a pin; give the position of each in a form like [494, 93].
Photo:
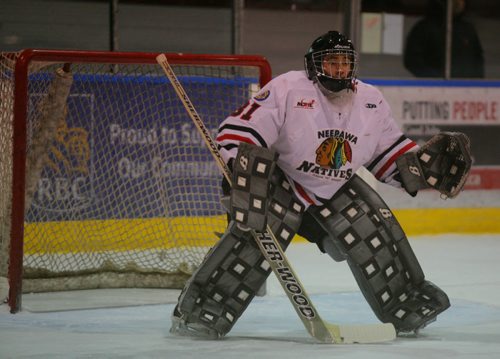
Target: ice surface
[466, 267]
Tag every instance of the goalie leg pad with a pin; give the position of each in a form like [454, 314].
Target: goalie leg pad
[252, 171]
[222, 286]
[365, 232]
[232, 272]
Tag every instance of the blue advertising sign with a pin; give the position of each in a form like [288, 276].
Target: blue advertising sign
[126, 148]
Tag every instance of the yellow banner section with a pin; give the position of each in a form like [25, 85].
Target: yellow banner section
[168, 233]
[419, 221]
[425, 221]
[122, 235]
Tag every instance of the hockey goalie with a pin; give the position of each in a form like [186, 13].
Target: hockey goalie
[294, 149]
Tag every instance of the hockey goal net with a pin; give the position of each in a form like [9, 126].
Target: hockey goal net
[105, 180]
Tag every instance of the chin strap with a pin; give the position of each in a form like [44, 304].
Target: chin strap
[352, 88]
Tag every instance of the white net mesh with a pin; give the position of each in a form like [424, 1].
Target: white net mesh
[126, 193]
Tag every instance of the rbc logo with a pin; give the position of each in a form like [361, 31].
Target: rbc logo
[65, 181]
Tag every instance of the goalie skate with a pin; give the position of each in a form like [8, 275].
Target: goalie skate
[182, 328]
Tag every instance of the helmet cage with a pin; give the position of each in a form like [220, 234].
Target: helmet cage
[315, 71]
[318, 60]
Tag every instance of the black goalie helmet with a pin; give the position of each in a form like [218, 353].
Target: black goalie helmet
[332, 62]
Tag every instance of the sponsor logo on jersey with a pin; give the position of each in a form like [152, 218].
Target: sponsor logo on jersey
[306, 104]
[334, 152]
[262, 96]
[370, 105]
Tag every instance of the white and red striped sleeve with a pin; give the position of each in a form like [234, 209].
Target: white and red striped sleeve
[383, 167]
[392, 143]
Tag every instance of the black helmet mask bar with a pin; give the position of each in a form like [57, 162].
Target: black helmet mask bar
[327, 45]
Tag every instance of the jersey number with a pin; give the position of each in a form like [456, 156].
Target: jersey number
[245, 114]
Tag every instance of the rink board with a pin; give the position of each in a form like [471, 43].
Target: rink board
[128, 234]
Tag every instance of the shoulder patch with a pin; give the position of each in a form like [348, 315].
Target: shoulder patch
[262, 95]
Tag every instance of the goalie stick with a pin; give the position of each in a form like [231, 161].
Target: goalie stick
[322, 331]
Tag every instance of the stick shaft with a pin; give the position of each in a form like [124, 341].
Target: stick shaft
[179, 89]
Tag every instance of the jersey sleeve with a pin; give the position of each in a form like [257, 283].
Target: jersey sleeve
[392, 143]
[256, 122]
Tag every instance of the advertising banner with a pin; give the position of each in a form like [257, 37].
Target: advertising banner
[128, 149]
[424, 108]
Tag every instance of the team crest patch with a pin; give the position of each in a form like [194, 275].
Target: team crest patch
[334, 152]
[332, 156]
[262, 96]
[308, 104]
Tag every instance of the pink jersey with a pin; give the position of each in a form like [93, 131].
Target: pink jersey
[321, 142]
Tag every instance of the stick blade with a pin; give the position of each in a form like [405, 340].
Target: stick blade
[363, 333]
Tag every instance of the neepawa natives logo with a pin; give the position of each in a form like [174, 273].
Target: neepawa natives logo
[334, 152]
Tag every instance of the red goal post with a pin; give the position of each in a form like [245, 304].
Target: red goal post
[105, 183]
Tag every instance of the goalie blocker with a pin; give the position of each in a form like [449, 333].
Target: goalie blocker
[354, 225]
